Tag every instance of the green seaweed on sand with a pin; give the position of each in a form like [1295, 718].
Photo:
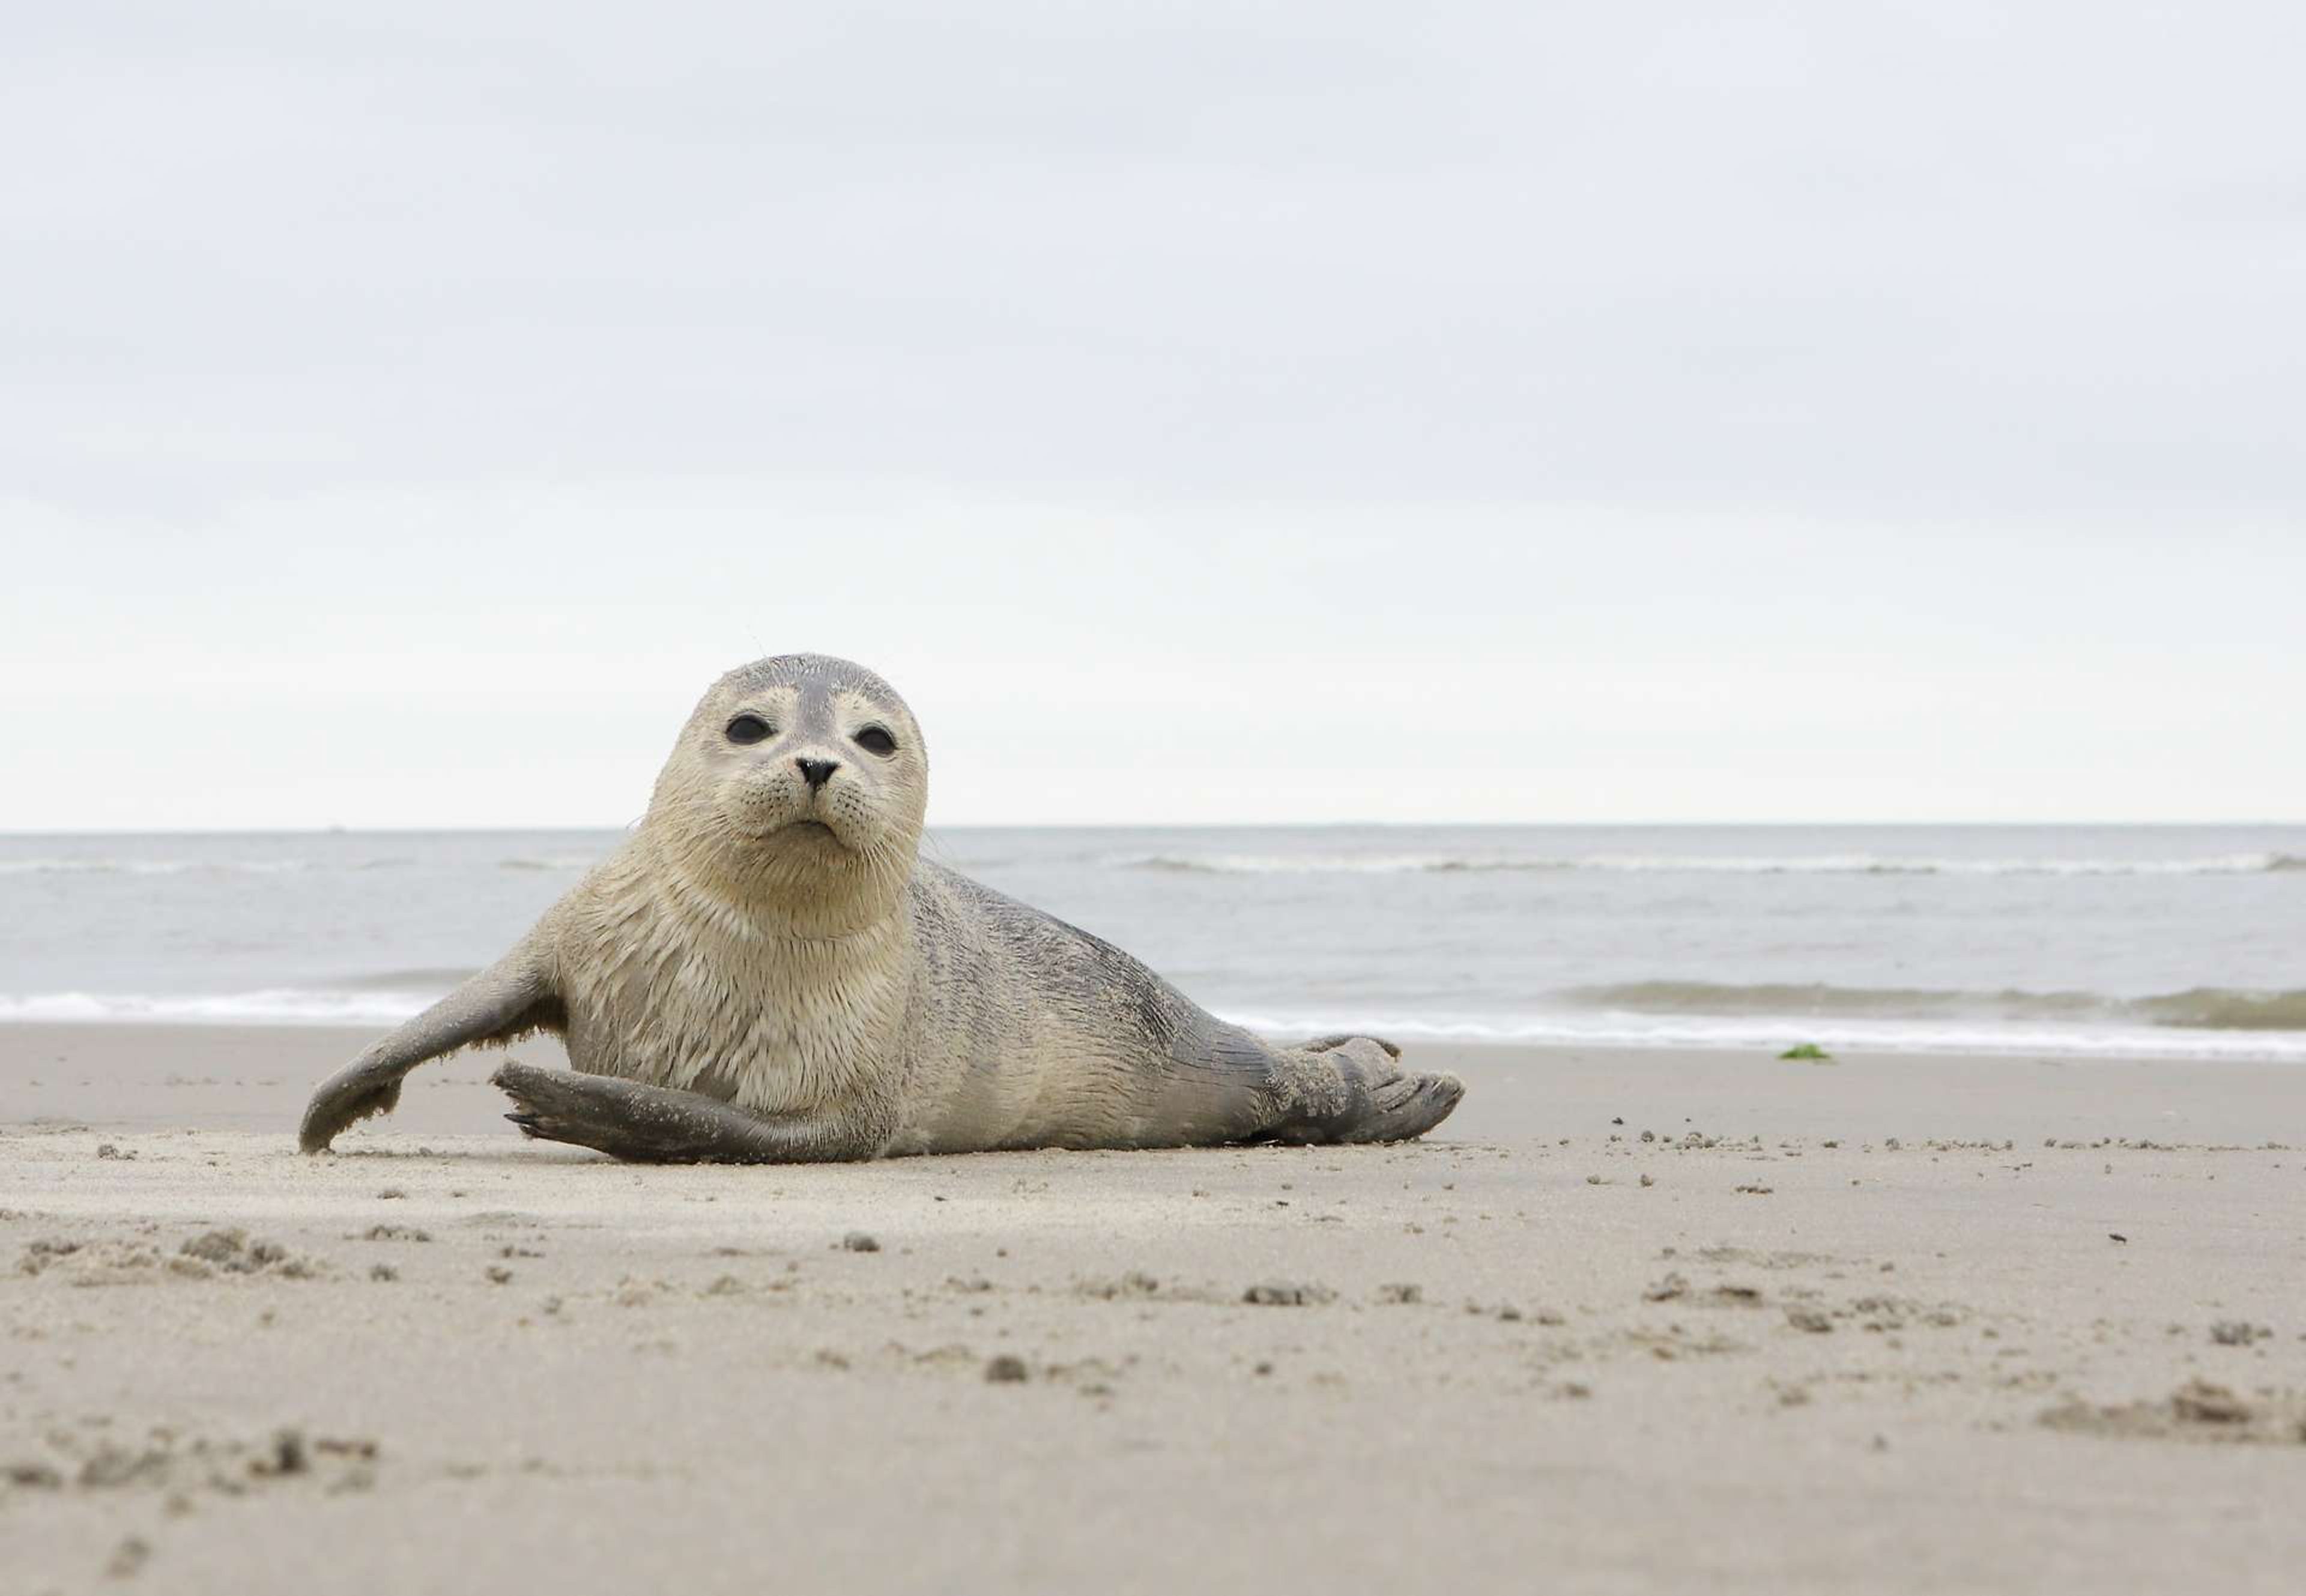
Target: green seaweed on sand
[1809, 1052]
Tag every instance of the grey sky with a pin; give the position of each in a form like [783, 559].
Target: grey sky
[1225, 412]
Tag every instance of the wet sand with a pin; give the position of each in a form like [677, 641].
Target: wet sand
[1889, 1324]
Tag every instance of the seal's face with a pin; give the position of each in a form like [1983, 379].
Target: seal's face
[802, 781]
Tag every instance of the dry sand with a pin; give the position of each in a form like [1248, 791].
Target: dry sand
[1638, 1321]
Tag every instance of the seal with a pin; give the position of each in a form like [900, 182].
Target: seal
[767, 971]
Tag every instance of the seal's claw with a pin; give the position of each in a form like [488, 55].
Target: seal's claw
[556, 1105]
[537, 1127]
[524, 1084]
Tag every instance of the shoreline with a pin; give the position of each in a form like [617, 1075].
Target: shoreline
[252, 1078]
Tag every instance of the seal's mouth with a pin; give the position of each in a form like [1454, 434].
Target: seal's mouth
[799, 830]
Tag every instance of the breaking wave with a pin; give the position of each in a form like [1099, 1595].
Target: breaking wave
[2206, 1021]
[436, 980]
[1323, 864]
[1771, 1032]
[72, 865]
[2198, 1008]
[273, 1006]
[83, 864]
[1697, 863]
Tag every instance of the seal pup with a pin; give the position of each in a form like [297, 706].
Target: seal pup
[767, 971]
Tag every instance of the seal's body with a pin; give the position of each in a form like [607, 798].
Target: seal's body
[767, 971]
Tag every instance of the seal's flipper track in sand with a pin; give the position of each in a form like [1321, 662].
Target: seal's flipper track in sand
[767, 971]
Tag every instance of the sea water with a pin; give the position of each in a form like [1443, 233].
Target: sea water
[2070, 940]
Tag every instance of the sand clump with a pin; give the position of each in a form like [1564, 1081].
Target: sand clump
[2198, 1411]
[2239, 1331]
[185, 1465]
[131, 1262]
[391, 1232]
[1136, 1285]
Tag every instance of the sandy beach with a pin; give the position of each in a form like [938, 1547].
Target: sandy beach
[1634, 1321]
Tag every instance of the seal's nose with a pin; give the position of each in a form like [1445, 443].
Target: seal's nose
[816, 772]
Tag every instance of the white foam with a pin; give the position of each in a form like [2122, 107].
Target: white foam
[68, 865]
[1760, 1031]
[276, 1006]
[1326, 864]
[1700, 863]
[307, 1006]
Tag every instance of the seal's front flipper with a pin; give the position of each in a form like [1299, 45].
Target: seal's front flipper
[654, 1124]
[510, 998]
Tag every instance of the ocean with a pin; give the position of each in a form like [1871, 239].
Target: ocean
[2164, 939]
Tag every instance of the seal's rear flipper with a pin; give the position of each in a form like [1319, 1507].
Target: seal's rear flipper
[1417, 1102]
[1353, 1089]
[1323, 1044]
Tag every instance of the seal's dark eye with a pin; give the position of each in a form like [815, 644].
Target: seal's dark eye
[749, 729]
[877, 740]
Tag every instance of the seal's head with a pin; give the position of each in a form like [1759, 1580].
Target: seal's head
[797, 790]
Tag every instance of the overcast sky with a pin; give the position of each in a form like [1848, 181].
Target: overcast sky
[1225, 412]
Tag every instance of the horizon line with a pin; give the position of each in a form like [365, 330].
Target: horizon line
[1209, 825]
